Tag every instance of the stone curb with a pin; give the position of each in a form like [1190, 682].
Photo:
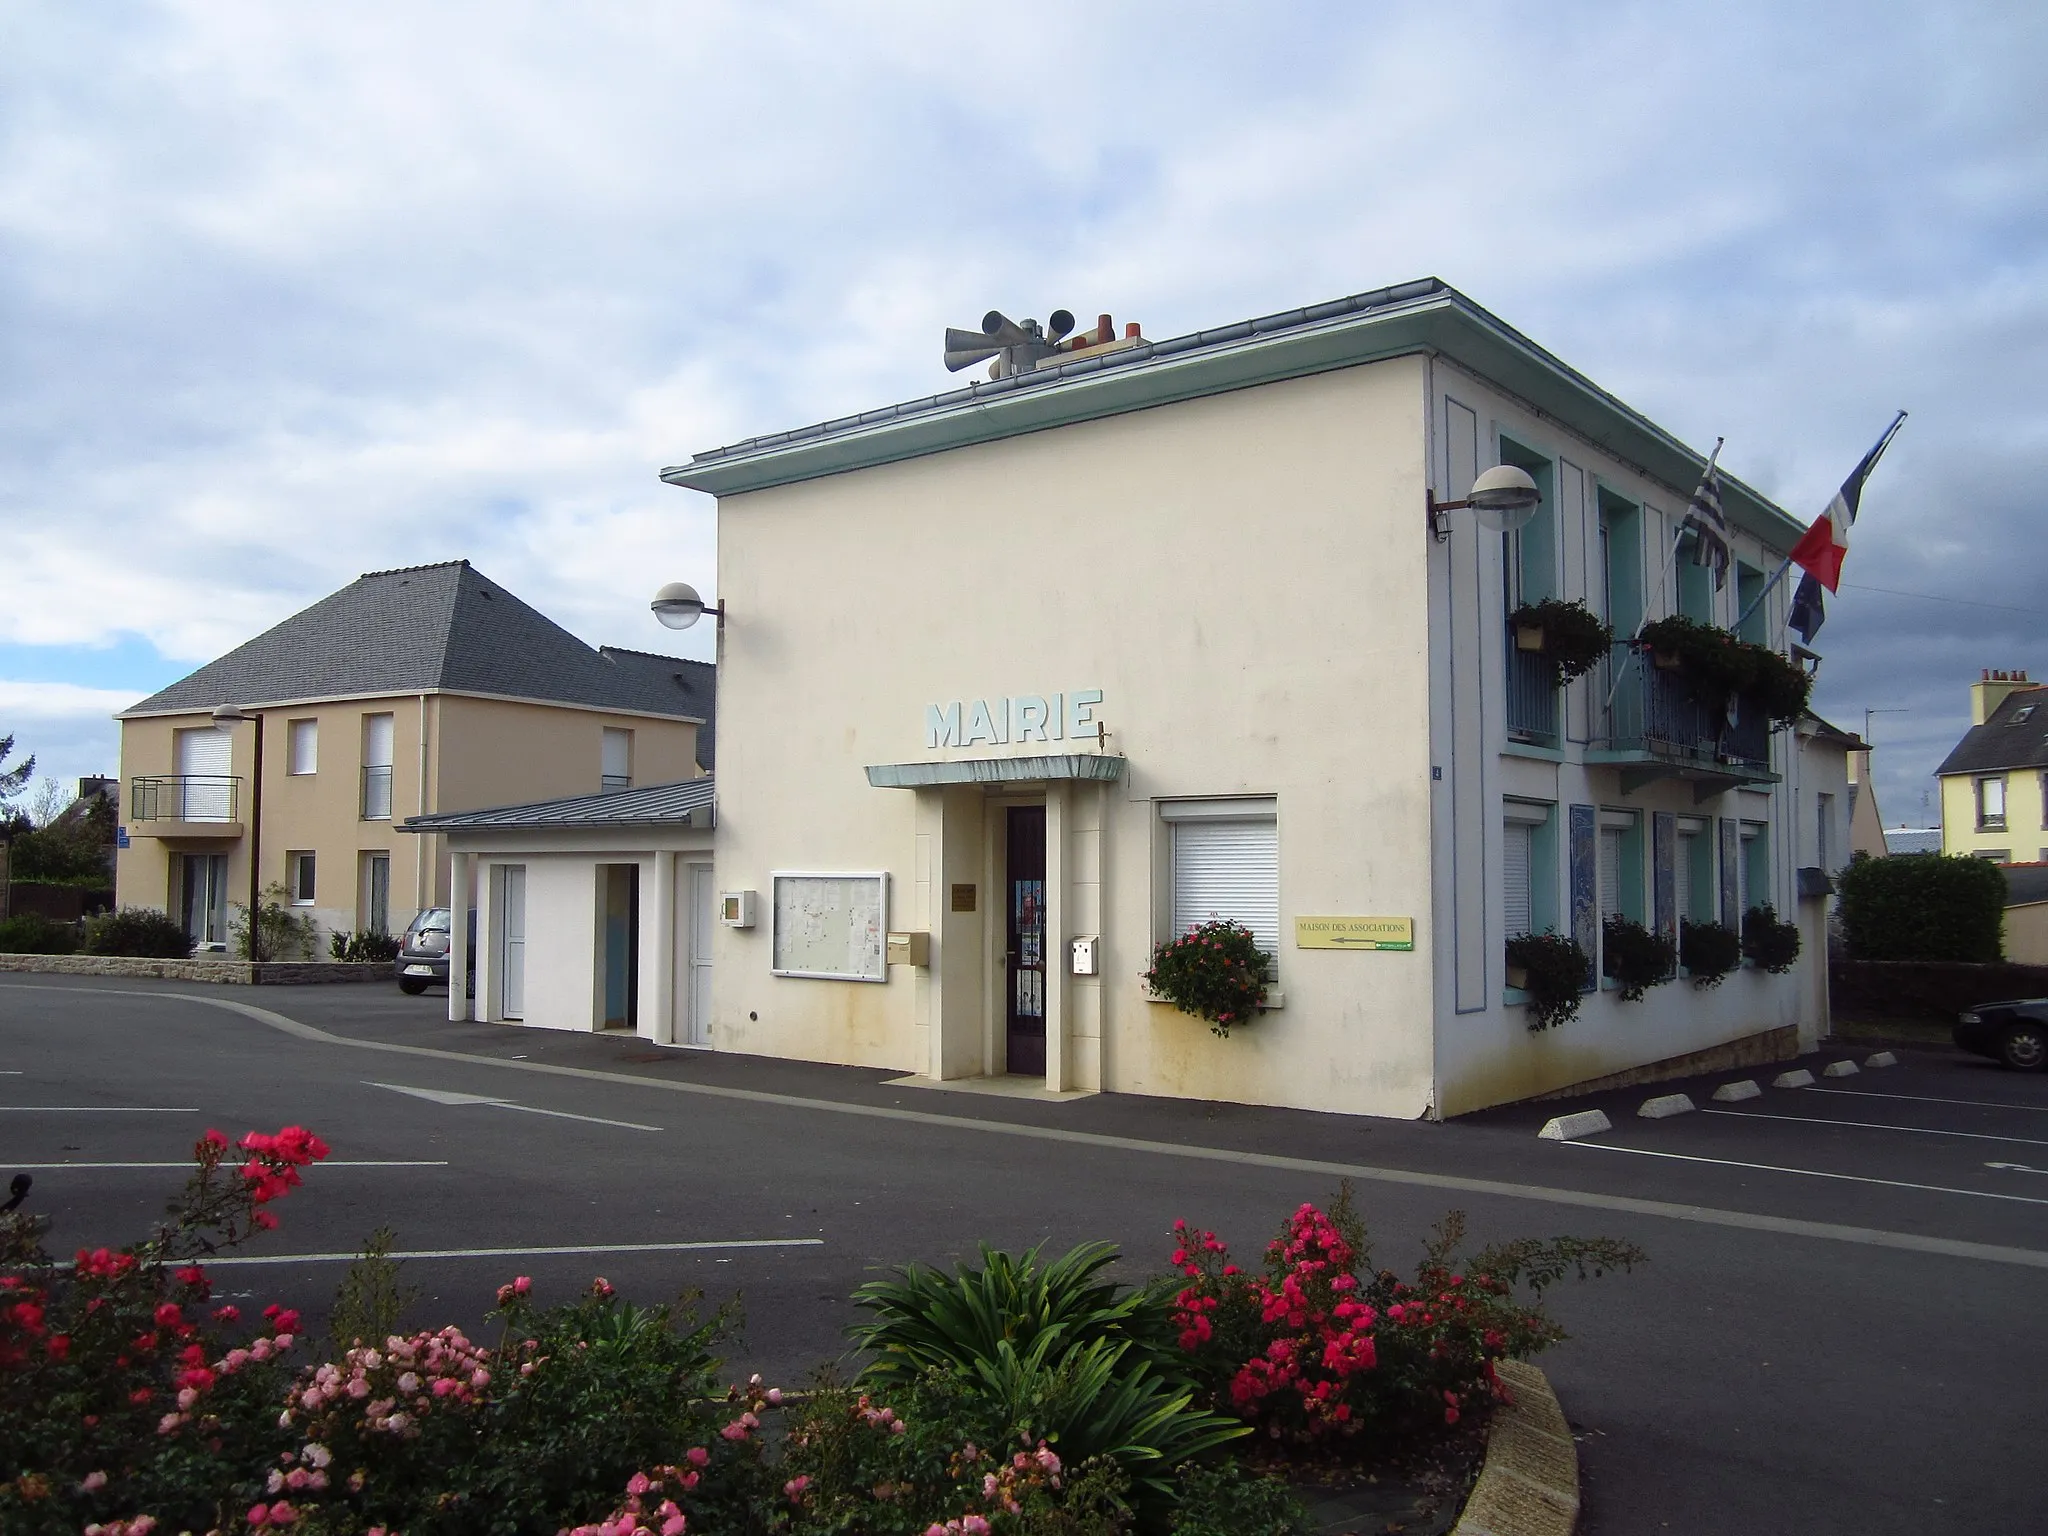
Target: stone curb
[1529, 1485]
[232, 973]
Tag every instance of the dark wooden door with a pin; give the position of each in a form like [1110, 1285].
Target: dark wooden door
[1025, 881]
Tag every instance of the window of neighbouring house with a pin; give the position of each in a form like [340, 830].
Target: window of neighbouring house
[298, 878]
[1991, 804]
[378, 740]
[1994, 855]
[303, 741]
[1225, 863]
[1695, 582]
[617, 766]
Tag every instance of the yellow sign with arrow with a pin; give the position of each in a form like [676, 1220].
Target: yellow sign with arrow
[1395, 933]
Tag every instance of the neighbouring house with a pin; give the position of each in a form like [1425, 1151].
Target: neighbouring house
[2026, 913]
[1020, 679]
[1994, 785]
[595, 911]
[1866, 826]
[409, 692]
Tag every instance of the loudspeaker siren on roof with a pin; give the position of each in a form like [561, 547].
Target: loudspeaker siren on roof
[1020, 346]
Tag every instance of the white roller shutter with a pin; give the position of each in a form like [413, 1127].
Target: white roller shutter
[205, 760]
[1681, 875]
[1610, 873]
[1515, 861]
[1228, 869]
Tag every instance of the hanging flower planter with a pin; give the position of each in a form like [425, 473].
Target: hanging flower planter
[1518, 977]
[1570, 636]
[1666, 661]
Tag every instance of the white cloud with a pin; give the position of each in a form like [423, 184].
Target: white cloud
[289, 294]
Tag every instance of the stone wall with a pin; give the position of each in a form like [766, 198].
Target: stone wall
[233, 973]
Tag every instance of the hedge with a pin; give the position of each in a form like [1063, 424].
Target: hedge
[1923, 906]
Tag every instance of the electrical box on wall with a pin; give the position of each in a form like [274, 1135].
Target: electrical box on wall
[736, 909]
[910, 949]
[1084, 953]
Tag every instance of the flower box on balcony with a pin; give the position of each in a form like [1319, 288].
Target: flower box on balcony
[1528, 637]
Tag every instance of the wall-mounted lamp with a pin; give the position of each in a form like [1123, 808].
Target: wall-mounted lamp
[678, 606]
[1505, 498]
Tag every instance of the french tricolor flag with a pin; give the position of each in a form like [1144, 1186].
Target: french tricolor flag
[1819, 553]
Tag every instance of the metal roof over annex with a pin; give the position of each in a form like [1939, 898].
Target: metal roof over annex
[687, 803]
[434, 629]
[1425, 317]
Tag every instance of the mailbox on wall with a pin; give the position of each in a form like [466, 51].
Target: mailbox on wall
[1084, 952]
[736, 909]
[910, 949]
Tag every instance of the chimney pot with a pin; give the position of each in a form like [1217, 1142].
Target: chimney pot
[1105, 329]
[1131, 331]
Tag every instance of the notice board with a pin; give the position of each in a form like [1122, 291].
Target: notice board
[831, 927]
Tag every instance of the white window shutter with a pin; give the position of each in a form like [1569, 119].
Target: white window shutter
[1610, 873]
[1681, 876]
[377, 734]
[1515, 878]
[1228, 869]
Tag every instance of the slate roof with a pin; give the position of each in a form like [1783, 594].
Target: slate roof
[2025, 884]
[1912, 840]
[2005, 740]
[697, 679]
[658, 805]
[422, 629]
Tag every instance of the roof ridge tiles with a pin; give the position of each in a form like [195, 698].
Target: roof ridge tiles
[407, 570]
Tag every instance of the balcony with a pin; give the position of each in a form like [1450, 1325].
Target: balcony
[202, 805]
[1531, 696]
[1658, 727]
[377, 793]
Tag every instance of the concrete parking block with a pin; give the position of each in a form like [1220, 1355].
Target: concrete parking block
[1840, 1069]
[1881, 1059]
[1798, 1077]
[1665, 1105]
[1586, 1122]
[1735, 1093]
[1529, 1485]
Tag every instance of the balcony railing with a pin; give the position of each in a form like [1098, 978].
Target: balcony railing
[377, 793]
[1532, 696]
[184, 797]
[1663, 715]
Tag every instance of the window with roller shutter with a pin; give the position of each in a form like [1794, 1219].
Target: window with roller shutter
[1515, 861]
[1226, 865]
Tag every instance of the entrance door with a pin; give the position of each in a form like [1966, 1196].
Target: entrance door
[1025, 877]
[620, 886]
[203, 897]
[512, 943]
[700, 954]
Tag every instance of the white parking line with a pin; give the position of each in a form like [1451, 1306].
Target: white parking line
[90, 1109]
[1809, 1173]
[525, 1253]
[187, 1163]
[1922, 1098]
[1875, 1125]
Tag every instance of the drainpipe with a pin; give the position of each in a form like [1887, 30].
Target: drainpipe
[419, 861]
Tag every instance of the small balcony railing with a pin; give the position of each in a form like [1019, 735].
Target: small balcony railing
[377, 793]
[1661, 713]
[1532, 696]
[184, 797]
[613, 781]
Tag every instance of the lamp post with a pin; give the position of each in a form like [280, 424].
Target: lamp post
[226, 716]
[678, 606]
[1504, 498]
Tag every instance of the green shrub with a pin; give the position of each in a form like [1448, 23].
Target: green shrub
[1708, 951]
[281, 933]
[137, 931]
[363, 947]
[31, 933]
[1635, 957]
[1228, 1499]
[1558, 972]
[1215, 971]
[1923, 906]
[1720, 664]
[1767, 943]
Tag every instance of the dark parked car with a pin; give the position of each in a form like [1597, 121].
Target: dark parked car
[423, 953]
[2015, 1033]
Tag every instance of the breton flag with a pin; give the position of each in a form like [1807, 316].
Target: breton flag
[1708, 523]
[1819, 553]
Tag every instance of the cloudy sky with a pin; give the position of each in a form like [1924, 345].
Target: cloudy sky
[289, 293]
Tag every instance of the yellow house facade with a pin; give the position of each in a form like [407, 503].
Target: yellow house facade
[1994, 785]
[405, 694]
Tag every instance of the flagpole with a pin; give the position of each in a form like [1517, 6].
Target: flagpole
[1869, 463]
[1663, 580]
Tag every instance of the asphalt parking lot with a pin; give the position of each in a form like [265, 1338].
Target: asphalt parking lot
[1831, 1335]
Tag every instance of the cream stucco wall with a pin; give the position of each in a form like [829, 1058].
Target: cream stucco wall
[2026, 934]
[2024, 837]
[1242, 576]
[478, 753]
